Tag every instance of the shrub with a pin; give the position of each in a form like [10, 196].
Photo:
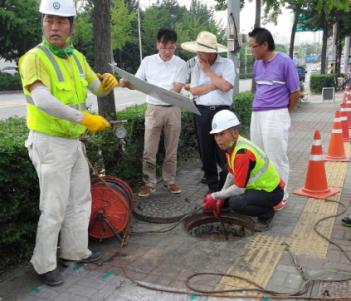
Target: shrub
[245, 75]
[319, 81]
[19, 184]
[10, 82]
[19, 193]
[242, 107]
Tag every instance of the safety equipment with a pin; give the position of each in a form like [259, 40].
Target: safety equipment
[224, 120]
[70, 91]
[94, 123]
[344, 125]
[108, 82]
[336, 150]
[263, 176]
[212, 204]
[316, 184]
[62, 8]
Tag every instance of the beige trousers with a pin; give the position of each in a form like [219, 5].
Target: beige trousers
[160, 119]
[65, 199]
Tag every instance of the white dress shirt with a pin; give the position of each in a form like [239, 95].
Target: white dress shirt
[161, 73]
[222, 67]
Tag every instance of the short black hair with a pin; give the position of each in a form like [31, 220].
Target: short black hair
[166, 35]
[262, 35]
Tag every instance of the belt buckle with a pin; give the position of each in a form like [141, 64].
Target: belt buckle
[213, 108]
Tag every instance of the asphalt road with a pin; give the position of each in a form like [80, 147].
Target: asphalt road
[12, 104]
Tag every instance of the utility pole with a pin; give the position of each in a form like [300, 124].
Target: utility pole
[346, 55]
[139, 33]
[233, 29]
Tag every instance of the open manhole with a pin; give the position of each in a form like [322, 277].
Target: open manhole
[229, 226]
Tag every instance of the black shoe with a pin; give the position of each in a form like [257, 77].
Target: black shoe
[263, 225]
[52, 278]
[203, 180]
[95, 256]
[346, 221]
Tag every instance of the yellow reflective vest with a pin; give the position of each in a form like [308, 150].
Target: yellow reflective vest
[70, 92]
[264, 176]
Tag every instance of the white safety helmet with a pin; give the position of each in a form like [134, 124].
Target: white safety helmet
[224, 120]
[62, 8]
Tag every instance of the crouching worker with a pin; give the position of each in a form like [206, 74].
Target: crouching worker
[253, 186]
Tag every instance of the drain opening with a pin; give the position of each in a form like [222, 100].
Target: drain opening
[230, 226]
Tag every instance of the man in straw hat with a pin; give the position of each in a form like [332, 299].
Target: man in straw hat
[212, 80]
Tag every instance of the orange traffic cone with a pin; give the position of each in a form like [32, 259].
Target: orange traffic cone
[344, 125]
[336, 150]
[346, 107]
[316, 185]
[347, 95]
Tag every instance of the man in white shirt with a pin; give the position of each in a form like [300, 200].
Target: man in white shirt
[212, 80]
[166, 70]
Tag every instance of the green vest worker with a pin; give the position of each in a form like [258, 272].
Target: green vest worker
[55, 79]
[253, 186]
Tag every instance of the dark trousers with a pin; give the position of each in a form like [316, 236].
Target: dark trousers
[257, 203]
[210, 154]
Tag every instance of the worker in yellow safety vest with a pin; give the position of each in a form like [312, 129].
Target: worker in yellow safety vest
[253, 186]
[55, 79]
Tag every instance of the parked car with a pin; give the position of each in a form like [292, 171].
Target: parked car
[301, 72]
[12, 70]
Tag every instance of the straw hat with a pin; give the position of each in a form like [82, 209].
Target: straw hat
[205, 42]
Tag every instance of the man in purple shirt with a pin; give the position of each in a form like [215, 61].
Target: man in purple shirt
[277, 94]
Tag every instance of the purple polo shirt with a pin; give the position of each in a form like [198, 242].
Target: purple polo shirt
[275, 81]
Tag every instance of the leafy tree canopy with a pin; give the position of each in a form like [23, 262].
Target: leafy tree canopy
[20, 23]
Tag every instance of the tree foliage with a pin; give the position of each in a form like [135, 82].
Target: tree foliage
[20, 27]
[122, 19]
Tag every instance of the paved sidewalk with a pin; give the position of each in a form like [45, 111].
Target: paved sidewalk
[168, 259]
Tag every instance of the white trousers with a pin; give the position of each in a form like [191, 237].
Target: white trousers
[270, 131]
[65, 199]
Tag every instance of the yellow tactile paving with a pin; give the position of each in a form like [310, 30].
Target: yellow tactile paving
[305, 240]
[262, 253]
[347, 147]
[336, 172]
[256, 262]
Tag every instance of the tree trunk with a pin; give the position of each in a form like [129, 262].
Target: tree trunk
[102, 52]
[258, 14]
[338, 52]
[293, 33]
[324, 46]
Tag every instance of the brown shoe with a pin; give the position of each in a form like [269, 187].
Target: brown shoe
[173, 188]
[145, 191]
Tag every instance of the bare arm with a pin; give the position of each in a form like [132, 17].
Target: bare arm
[177, 87]
[293, 100]
[125, 84]
[217, 81]
[203, 89]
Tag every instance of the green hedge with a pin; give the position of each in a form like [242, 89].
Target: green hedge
[19, 185]
[245, 75]
[10, 82]
[319, 81]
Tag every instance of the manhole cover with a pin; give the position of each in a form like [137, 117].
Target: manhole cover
[162, 210]
[230, 226]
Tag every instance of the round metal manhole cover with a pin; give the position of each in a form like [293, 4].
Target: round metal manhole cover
[162, 210]
[230, 226]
